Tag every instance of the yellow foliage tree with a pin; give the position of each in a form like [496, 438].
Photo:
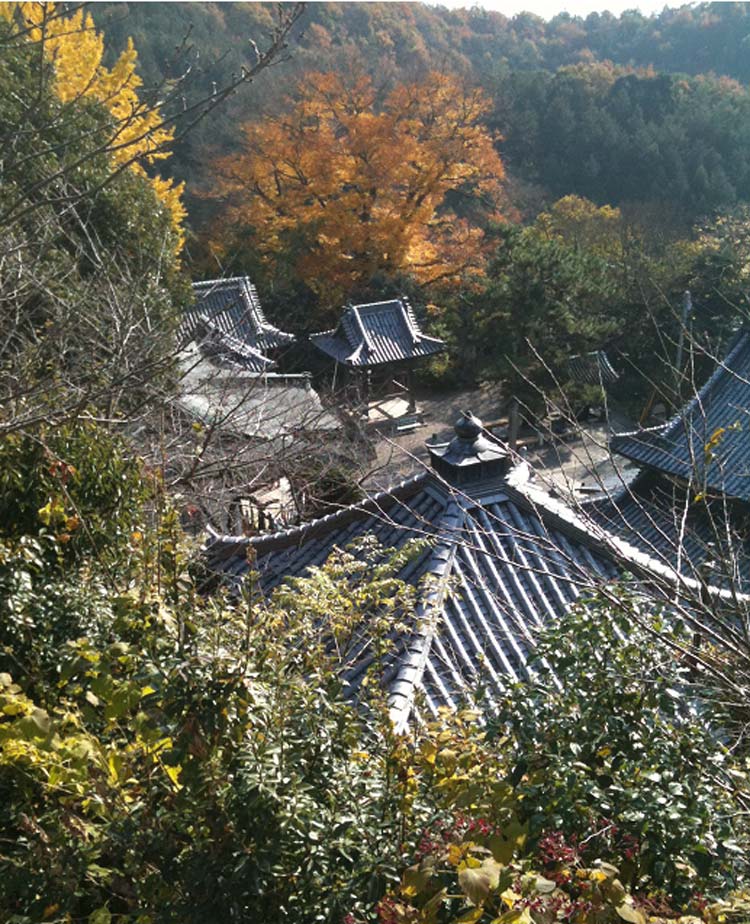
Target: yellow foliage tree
[580, 222]
[76, 50]
[350, 185]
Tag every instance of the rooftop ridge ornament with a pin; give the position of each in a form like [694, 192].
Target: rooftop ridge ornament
[473, 456]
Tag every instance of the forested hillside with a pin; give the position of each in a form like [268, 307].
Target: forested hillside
[558, 126]
[649, 116]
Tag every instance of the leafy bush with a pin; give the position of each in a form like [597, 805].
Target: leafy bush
[168, 758]
[480, 858]
[609, 743]
[73, 482]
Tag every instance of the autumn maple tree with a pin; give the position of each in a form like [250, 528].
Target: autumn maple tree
[350, 183]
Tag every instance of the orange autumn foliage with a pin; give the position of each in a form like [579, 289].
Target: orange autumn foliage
[347, 185]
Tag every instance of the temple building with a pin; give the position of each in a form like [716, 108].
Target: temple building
[255, 423]
[500, 558]
[689, 505]
[375, 348]
[227, 361]
[227, 321]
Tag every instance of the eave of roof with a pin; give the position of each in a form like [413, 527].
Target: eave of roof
[505, 582]
[505, 557]
[681, 446]
[233, 305]
[658, 514]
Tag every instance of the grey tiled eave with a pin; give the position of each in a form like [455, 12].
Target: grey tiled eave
[233, 309]
[592, 369]
[496, 569]
[681, 448]
[705, 539]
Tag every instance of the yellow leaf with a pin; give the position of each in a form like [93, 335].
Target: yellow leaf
[455, 854]
[630, 914]
[470, 917]
[428, 751]
[174, 775]
[510, 897]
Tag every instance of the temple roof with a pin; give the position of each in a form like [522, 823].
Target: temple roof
[377, 333]
[592, 369]
[233, 397]
[707, 443]
[705, 540]
[498, 563]
[497, 558]
[228, 317]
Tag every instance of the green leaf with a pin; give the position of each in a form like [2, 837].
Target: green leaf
[36, 725]
[502, 848]
[100, 916]
[470, 917]
[414, 880]
[514, 916]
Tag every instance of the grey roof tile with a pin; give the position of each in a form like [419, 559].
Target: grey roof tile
[661, 517]
[490, 579]
[233, 309]
[239, 400]
[377, 333]
[681, 446]
[592, 369]
[504, 559]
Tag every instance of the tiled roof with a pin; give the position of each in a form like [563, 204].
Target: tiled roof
[231, 351]
[592, 369]
[235, 398]
[233, 309]
[706, 540]
[376, 333]
[708, 442]
[497, 566]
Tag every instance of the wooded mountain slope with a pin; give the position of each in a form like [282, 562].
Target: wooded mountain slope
[543, 115]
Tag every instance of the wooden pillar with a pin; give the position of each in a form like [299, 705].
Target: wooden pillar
[410, 389]
[362, 390]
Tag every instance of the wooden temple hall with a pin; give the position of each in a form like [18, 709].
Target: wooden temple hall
[375, 348]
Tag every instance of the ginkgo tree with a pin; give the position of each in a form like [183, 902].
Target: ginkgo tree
[140, 134]
[349, 183]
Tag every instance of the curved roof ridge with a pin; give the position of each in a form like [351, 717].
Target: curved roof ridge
[353, 312]
[723, 368]
[219, 281]
[403, 688]
[683, 445]
[593, 534]
[283, 537]
[411, 321]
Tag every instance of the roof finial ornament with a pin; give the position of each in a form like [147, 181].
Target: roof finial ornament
[468, 426]
[472, 456]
